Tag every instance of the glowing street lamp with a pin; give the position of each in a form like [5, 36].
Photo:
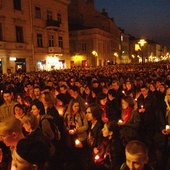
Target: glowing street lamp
[141, 43]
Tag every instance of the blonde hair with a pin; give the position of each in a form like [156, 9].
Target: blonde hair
[32, 120]
[10, 125]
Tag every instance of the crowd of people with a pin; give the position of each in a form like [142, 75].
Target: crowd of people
[107, 118]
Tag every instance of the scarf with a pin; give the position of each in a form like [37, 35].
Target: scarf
[127, 113]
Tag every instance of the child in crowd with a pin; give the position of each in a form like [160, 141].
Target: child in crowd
[136, 156]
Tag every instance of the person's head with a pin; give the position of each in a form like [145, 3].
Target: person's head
[73, 106]
[101, 98]
[136, 155]
[7, 96]
[111, 94]
[11, 131]
[127, 102]
[74, 91]
[19, 111]
[93, 113]
[30, 155]
[128, 85]
[37, 92]
[115, 85]
[19, 98]
[63, 89]
[48, 99]
[111, 130]
[29, 122]
[144, 90]
[27, 101]
[37, 108]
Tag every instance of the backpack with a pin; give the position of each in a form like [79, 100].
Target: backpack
[54, 128]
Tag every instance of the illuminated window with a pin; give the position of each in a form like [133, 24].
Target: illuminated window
[39, 40]
[37, 12]
[19, 34]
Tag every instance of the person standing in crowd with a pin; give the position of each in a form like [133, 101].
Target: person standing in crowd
[30, 155]
[76, 125]
[117, 88]
[37, 93]
[19, 111]
[109, 154]
[130, 121]
[146, 103]
[11, 134]
[101, 100]
[166, 130]
[7, 108]
[75, 93]
[114, 112]
[63, 89]
[94, 133]
[136, 156]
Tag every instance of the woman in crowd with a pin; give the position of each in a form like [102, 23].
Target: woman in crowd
[130, 120]
[93, 114]
[76, 125]
[19, 111]
[109, 155]
[102, 102]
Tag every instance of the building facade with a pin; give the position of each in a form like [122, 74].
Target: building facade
[95, 40]
[33, 35]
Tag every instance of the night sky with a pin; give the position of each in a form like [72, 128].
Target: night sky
[142, 18]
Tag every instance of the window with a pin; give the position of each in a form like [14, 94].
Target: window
[50, 40]
[49, 15]
[39, 40]
[60, 42]
[19, 34]
[17, 4]
[59, 18]
[37, 12]
[83, 46]
[1, 37]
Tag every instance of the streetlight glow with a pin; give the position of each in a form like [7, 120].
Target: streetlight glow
[142, 42]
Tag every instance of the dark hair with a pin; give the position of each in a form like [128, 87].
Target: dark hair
[39, 106]
[96, 111]
[113, 126]
[19, 106]
[100, 96]
[112, 92]
[129, 100]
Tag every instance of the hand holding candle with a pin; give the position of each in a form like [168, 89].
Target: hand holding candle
[78, 143]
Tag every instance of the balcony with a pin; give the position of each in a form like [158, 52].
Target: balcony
[52, 24]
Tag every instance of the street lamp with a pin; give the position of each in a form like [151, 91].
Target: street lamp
[141, 43]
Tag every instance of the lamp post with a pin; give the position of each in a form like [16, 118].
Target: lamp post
[141, 43]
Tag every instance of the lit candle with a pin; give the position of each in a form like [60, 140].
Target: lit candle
[123, 91]
[86, 103]
[136, 99]
[120, 121]
[167, 127]
[77, 142]
[141, 106]
[97, 157]
[71, 131]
